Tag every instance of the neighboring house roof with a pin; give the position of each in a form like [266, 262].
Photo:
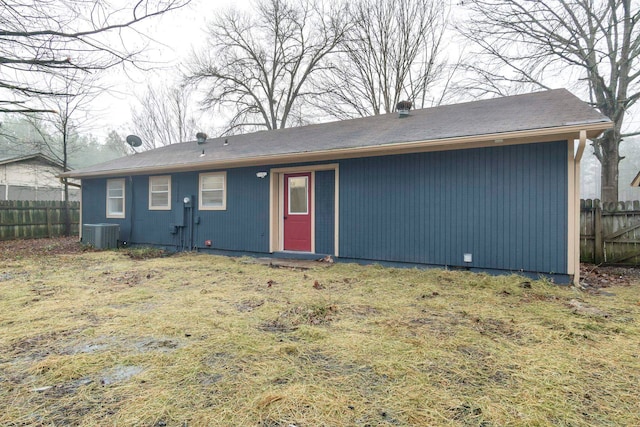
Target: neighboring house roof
[24, 157]
[554, 112]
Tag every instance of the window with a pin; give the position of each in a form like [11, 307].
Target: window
[298, 203]
[115, 198]
[213, 191]
[160, 192]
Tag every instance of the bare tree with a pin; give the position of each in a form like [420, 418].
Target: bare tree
[258, 66]
[115, 145]
[17, 136]
[596, 42]
[43, 38]
[164, 116]
[58, 130]
[392, 52]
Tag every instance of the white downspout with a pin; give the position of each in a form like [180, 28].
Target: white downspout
[576, 193]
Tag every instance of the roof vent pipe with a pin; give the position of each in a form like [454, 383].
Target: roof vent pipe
[403, 108]
[201, 137]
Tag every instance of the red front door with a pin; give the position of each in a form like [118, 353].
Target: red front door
[297, 212]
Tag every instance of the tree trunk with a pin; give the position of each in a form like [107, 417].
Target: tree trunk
[609, 180]
[65, 165]
[610, 162]
[66, 210]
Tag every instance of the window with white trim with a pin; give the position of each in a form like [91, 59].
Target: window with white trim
[213, 191]
[160, 192]
[115, 198]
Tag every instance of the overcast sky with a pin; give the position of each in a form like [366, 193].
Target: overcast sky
[175, 35]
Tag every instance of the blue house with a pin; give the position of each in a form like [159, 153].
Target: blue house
[491, 185]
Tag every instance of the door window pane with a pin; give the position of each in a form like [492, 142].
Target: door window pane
[298, 200]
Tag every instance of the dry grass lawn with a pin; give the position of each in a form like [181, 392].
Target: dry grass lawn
[100, 338]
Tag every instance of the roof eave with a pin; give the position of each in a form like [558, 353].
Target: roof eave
[29, 157]
[504, 138]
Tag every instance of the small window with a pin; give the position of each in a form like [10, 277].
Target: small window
[115, 198]
[298, 200]
[213, 191]
[160, 192]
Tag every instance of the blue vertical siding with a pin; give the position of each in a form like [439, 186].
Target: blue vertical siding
[140, 225]
[325, 211]
[244, 225]
[94, 206]
[505, 205]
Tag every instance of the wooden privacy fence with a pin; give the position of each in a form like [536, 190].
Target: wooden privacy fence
[610, 232]
[29, 219]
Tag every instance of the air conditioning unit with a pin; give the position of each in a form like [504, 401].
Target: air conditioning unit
[101, 236]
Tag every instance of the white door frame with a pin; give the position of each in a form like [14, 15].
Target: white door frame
[276, 205]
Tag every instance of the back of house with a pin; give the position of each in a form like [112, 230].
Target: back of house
[489, 185]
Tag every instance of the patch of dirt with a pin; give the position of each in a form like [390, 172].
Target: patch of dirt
[594, 277]
[497, 327]
[163, 345]
[276, 326]
[274, 423]
[290, 320]
[586, 310]
[16, 249]
[86, 348]
[128, 278]
[209, 379]
[468, 413]
[362, 310]
[248, 305]
[119, 373]
[60, 390]
[38, 346]
[533, 296]
[143, 253]
[312, 315]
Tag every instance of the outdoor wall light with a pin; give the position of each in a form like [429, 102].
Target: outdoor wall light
[261, 174]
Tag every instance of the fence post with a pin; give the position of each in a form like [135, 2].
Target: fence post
[49, 226]
[598, 250]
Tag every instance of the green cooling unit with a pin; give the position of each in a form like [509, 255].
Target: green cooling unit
[101, 236]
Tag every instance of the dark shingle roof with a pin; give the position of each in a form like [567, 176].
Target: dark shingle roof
[536, 111]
